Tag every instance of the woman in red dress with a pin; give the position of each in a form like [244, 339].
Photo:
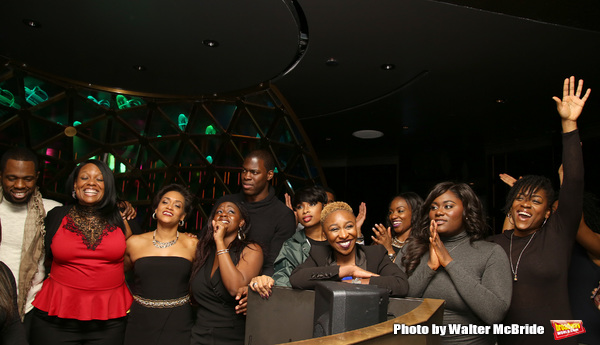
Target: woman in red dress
[85, 299]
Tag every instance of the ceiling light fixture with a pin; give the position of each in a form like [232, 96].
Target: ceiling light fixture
[331, 62]
[32, 23]
[368, 134]
[139, 68]
[388, 66]
[210, 43]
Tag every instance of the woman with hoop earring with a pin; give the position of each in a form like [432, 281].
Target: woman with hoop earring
[225, 261]
[162, 263]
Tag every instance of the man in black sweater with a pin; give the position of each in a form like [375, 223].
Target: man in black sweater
[272, 221]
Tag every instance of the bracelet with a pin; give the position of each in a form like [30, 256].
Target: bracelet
[392, 256]
[222, 251]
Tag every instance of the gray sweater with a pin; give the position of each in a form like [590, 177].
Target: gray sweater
[476, 285]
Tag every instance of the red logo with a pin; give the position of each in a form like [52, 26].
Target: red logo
[567, 328]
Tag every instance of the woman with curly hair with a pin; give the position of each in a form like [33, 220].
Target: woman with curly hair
[450, 260]
[404, 212]
[225, 261]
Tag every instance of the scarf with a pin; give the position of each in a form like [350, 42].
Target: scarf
[32, 249]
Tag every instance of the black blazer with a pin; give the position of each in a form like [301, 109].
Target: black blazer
[318, 267]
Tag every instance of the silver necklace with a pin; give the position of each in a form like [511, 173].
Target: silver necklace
[397, 243]
[159, 244]
[516, 269]
[451, 249]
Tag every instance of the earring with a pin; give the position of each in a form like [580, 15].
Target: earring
[509, 216]
[241, 235]
[74, 195]
[181, 223]
[154, 215]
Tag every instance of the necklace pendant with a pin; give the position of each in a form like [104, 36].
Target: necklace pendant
[515, 278]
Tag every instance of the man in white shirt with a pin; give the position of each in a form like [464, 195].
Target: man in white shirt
[22, 213]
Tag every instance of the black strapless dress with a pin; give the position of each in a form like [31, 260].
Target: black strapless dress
[160, 278]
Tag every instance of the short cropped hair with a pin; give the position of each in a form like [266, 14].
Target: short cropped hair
[334, 206]
[19, 154]
[528, 185]
[265, 156]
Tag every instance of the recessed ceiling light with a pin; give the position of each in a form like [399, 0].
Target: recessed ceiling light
[32, 23]
[70, 131]
[368, 134]
[501, 101]
[210, 43]
[388, 66]
[139, 68]
[331, 62]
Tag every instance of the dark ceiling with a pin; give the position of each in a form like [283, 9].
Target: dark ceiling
[471, 76]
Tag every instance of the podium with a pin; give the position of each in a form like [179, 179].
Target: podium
[287, 317]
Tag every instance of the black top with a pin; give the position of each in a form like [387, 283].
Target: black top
[216, 307]
[160, 278]
[12, 332]
[320, 265]
[317, 243]
[540, 294]
[272, 224]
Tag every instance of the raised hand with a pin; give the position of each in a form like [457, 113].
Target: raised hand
[219, 230]
[362, 215]
[509, 180]
[288, 203]
[433, 261]
[570, 106]
[383, 236]
[438, 247]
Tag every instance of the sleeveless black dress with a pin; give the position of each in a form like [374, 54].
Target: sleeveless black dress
[216, 320]
[160, 278]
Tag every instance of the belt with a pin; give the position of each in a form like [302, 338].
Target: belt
[162, 303]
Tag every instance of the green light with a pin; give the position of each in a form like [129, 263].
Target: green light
[76, 123]
[210, 130]
[101, 102]
[122, 168]
[182, 122]
[123, 102]
[35, 96]
[111, 162]
[209, 159]
[257, 135]
[7, 99]
[275, 170]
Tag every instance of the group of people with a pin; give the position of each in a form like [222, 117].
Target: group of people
[68, 261]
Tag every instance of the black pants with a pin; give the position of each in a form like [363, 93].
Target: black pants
[52, 330]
